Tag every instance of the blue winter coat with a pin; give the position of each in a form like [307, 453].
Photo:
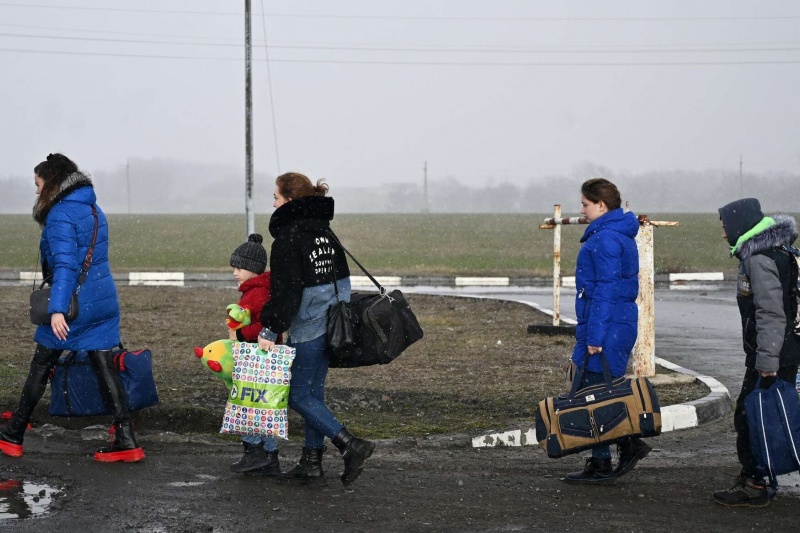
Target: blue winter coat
[66, 237]
[607, 284]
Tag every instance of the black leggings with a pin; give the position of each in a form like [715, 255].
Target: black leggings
[44, 359]
[743, 450]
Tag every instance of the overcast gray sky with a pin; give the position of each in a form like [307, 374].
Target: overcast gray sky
[365, 92]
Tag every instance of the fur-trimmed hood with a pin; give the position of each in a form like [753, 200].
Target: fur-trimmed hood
[73, 182]
[784, 232]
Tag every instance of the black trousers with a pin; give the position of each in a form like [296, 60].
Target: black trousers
[743, 450]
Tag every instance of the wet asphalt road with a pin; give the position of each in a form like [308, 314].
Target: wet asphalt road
[697, 326]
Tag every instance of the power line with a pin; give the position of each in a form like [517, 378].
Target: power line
[111, 54]
[114, 32]
[354, 45]
[593, 50]
[414, 48]
[424, 63]
[119, 9]
[111, 40]
[410, 17]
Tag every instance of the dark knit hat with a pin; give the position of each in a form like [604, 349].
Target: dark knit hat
[251, 255]
[739, 217]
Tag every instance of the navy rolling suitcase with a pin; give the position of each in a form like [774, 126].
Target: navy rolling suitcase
[773, 416]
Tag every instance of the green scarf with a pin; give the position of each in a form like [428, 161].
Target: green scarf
[765, 224]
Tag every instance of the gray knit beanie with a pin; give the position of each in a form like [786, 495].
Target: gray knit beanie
[251, 255]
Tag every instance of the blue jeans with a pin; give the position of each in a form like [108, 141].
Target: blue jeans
[307, 391]
[269, 443]
[601, 451]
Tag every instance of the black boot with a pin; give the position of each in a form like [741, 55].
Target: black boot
[271, 469]
[124, 446]
[12, 434]
[254, 457]
[631, 450]
[354, 452]
[595, 472]
[308, 470]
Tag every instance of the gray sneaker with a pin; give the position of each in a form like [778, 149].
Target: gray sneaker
[746, 492]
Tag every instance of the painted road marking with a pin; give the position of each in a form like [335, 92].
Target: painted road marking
[156, 278]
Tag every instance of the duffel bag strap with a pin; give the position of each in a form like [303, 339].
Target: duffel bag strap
[67, 360]
[119, 358]
[606, 371]
[65, 388]
[576, 381]
[119, 361]
[373, 280]
[335, 285]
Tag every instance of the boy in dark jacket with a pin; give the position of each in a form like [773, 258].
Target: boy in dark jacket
[249, 262]
[767, 276]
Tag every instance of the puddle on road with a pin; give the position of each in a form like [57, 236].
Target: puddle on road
[205, 477]
[22, 499]
[186, 483]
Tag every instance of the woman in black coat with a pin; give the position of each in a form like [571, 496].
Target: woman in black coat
[305, 262]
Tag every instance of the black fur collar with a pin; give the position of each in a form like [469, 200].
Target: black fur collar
[74, 181]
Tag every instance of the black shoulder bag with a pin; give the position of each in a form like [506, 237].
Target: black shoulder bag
[341, 330]
[370, 329]
[40, 298]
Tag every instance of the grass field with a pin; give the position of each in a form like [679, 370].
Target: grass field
[391, 244]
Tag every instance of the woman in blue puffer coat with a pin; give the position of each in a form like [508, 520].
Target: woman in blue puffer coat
[67, 211]
[607, 284]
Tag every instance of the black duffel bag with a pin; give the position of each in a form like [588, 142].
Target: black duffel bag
[370, 329]
[383, 325]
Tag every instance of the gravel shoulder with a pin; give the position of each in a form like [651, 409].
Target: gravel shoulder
[477, 369]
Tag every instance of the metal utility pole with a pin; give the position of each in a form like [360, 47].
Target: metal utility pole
[248, 142]
[128, 180]
[425, 188]
[741, 180]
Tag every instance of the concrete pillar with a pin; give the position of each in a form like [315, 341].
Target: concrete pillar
[645, 349]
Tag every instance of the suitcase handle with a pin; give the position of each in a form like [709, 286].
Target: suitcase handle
[576, 381]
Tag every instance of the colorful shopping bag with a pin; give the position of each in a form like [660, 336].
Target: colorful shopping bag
[259, 397]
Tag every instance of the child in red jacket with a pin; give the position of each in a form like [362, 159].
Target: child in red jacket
[249, 262]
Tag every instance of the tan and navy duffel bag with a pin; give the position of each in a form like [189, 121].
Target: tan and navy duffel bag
[604, 413]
